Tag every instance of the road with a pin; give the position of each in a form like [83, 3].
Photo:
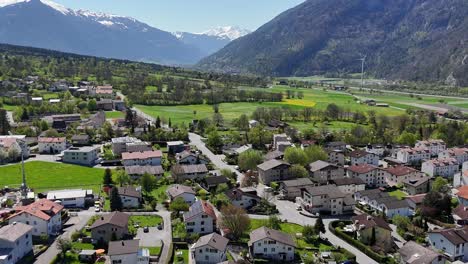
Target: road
[217, 160]
[408, 93]
[10, 117]
[151, 119]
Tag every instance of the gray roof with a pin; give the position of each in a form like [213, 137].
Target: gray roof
[417, 182]
[64, 194]
[331, 190]
[319, 165]
[298, 182]
[14, 231]
[177, 189]
[140, 170]
[264, 232]
[200, 207]
[212, 180]
[213, 240]
[393, 202]
[181, 169]
[123, 247]
[129, 191]
[348, 181]
[114, 218]
[413, 253]
[125, 140]
[271, 164]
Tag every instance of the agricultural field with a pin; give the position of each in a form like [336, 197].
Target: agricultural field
[114, 114]
[44, 176]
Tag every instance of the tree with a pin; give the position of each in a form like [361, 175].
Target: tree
[319, 227]
[92, 105]
[148, 182]
[273, 222]
[4, 122]
[158, 122]
[63, 245]
[115, 201]
[214, 140]
[248, 160]
[52, 133]
[440, 185]
[308, 232]
[218, 119]
[14, 153]
[296, 156]
[407, 138]
[298, 171]
[315, 153]
[221, 188]
[373, 237]
[234, 219]
[107, 179]
[437, 204]
[122, 178]
[242, 123]
[178, 205]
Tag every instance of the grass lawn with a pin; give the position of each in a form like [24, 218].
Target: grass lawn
[9, 107]
[81, 246]
[398, 194]
[181, 256]
[114, 114]
[144, 220]
[44, 176]
[160, 193]
[154, 251]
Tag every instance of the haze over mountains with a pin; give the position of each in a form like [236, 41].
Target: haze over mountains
[403, 39]
[45, 24]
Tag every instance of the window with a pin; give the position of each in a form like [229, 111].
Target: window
[201, 250]
[117, 261]
[273, 249]
[265, 250]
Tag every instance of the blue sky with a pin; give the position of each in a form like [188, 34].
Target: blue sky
[190, 15]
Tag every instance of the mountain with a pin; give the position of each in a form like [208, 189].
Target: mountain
[211, 40]
[45, 24]
[401, 39]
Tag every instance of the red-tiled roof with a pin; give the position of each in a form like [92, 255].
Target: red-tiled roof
[141, 155]
[400, 170]
[463, 192]
[42, 208]
[7, 142]
[51, 140]
[359, 153]
[461, 211]
[417, 199]
[362, 168]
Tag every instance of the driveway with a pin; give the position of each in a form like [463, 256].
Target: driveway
[150, 239]
[217, 160]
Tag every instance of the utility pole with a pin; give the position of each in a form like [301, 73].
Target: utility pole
[363, 60]
[24, 187]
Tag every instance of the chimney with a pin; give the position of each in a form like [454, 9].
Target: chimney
[369, 217]
[123, 243]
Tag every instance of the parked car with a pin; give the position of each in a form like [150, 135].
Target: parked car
[146, 229]
[97, 209]
[160, 227]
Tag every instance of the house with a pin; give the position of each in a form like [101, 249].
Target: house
[37, 100]
[326, 199]
[209, 249]
[211, 182]
[273, 170]
[253, 123]
[417, 186]
[43, 215]
[83, 156]
[364, 225]
[460, 215]
[243, 199]
[391, 206]
[275, 154]
[119, 145]
[135, 172]
[144, 158]
[50, 145]
[336, 145]
[322, 172]
[105, 105]
[376, 149]
[266, 243]
[283, 138]
[80, 140]
[87, 256]
[461, 178]
[415, 201]
[15, 242]
[70, 198]
[105, 91]
[174, 147]
[336, 157]
[15, 141]
[188, 157]
[366, 196]
[349, 185]
[182, 172]
[414, 253]
[396, 175]
[130, 197]
[110, 226]
[127, 251]
[119, 105]
[363, 157]
[181, 191]
[292, 189]
[462, 195]
[441, 167]
[370, 174]
[201, 218]
[452, 242]
[138, 147]
[460, 154]
[435, 146]
[61, 122]
[305, 143]
[413, 155]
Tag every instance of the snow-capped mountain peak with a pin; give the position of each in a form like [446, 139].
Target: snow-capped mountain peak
[60, 8]
[227, 32]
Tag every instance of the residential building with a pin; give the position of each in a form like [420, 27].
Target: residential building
[460, 215]
[43, 215]
[181, 191]
[181, 172]
[349, 185]
[395, 175]
[283, 145]
[212, 182]
[145, 158]
[105, 91]
[61, 122]
[83, 156]
[277, 138]
[266, 243]
[174, 147]
[243, 199]
[119, 145]
[128, 251]
[364, 225]
[50, 145]
[87, 256]
[336, 157]
[110, 226]
[415, 201]
[370, 174]
[462, 195]
[414, 253]
[119, 105]
[15, 141]
[452, 242]
[336, 145]
[275, 154]
[391, 206]
[201, 218]
[292, 189]
[435, 146]
[209, 249]
[323, 172]
[441, 167]
[363, 157]
[138, 147]
[326, 199]
[274, 170]
[105, 105]
[15, 242]
[69, 198]
[461, 178]
[188, 157]
[80, 140]
[417, 186]
[376, 149]
[130, 197]
[135, 172]
[460, 154]
[413, 155]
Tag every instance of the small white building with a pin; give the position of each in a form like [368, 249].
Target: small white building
[460, 154]
[69, 198]
[435, 146]
[243, 199]
[181, 191]
[188, 157]
[128, 251]
[281, 138]
[266, 243]
[209, 249]
[395, 175]
[51, 145]
[145, 158]
[413, 155]
[130, 197]
[370, 174]
[200, 219]
[349, 185]
[452, 242]
[15, 242]
[441, 167]
[363, 157]
[119, 145]
[82, 156]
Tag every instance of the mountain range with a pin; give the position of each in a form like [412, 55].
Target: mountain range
[421, 40]
[45, 24]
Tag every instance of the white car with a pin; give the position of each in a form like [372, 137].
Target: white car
[97, 209]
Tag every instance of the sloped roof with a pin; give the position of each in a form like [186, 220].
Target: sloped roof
[140, 170]
[141, 155]
[454, 235]
[213, 240]
[177, 189]
[42, 208]
[264, 232]
[200, 207]
[370, 221]
[297, 182]
[413, 253]
[319, 165]
[271, 164]
[14, 231]
[362, 168]
[400, 170]
[331, 190]
[123, 247]
[114, 218]
[181, 169]
[359, 154]
[129, 191]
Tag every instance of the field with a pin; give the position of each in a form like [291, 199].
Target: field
[114, 114]
[44, 176]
